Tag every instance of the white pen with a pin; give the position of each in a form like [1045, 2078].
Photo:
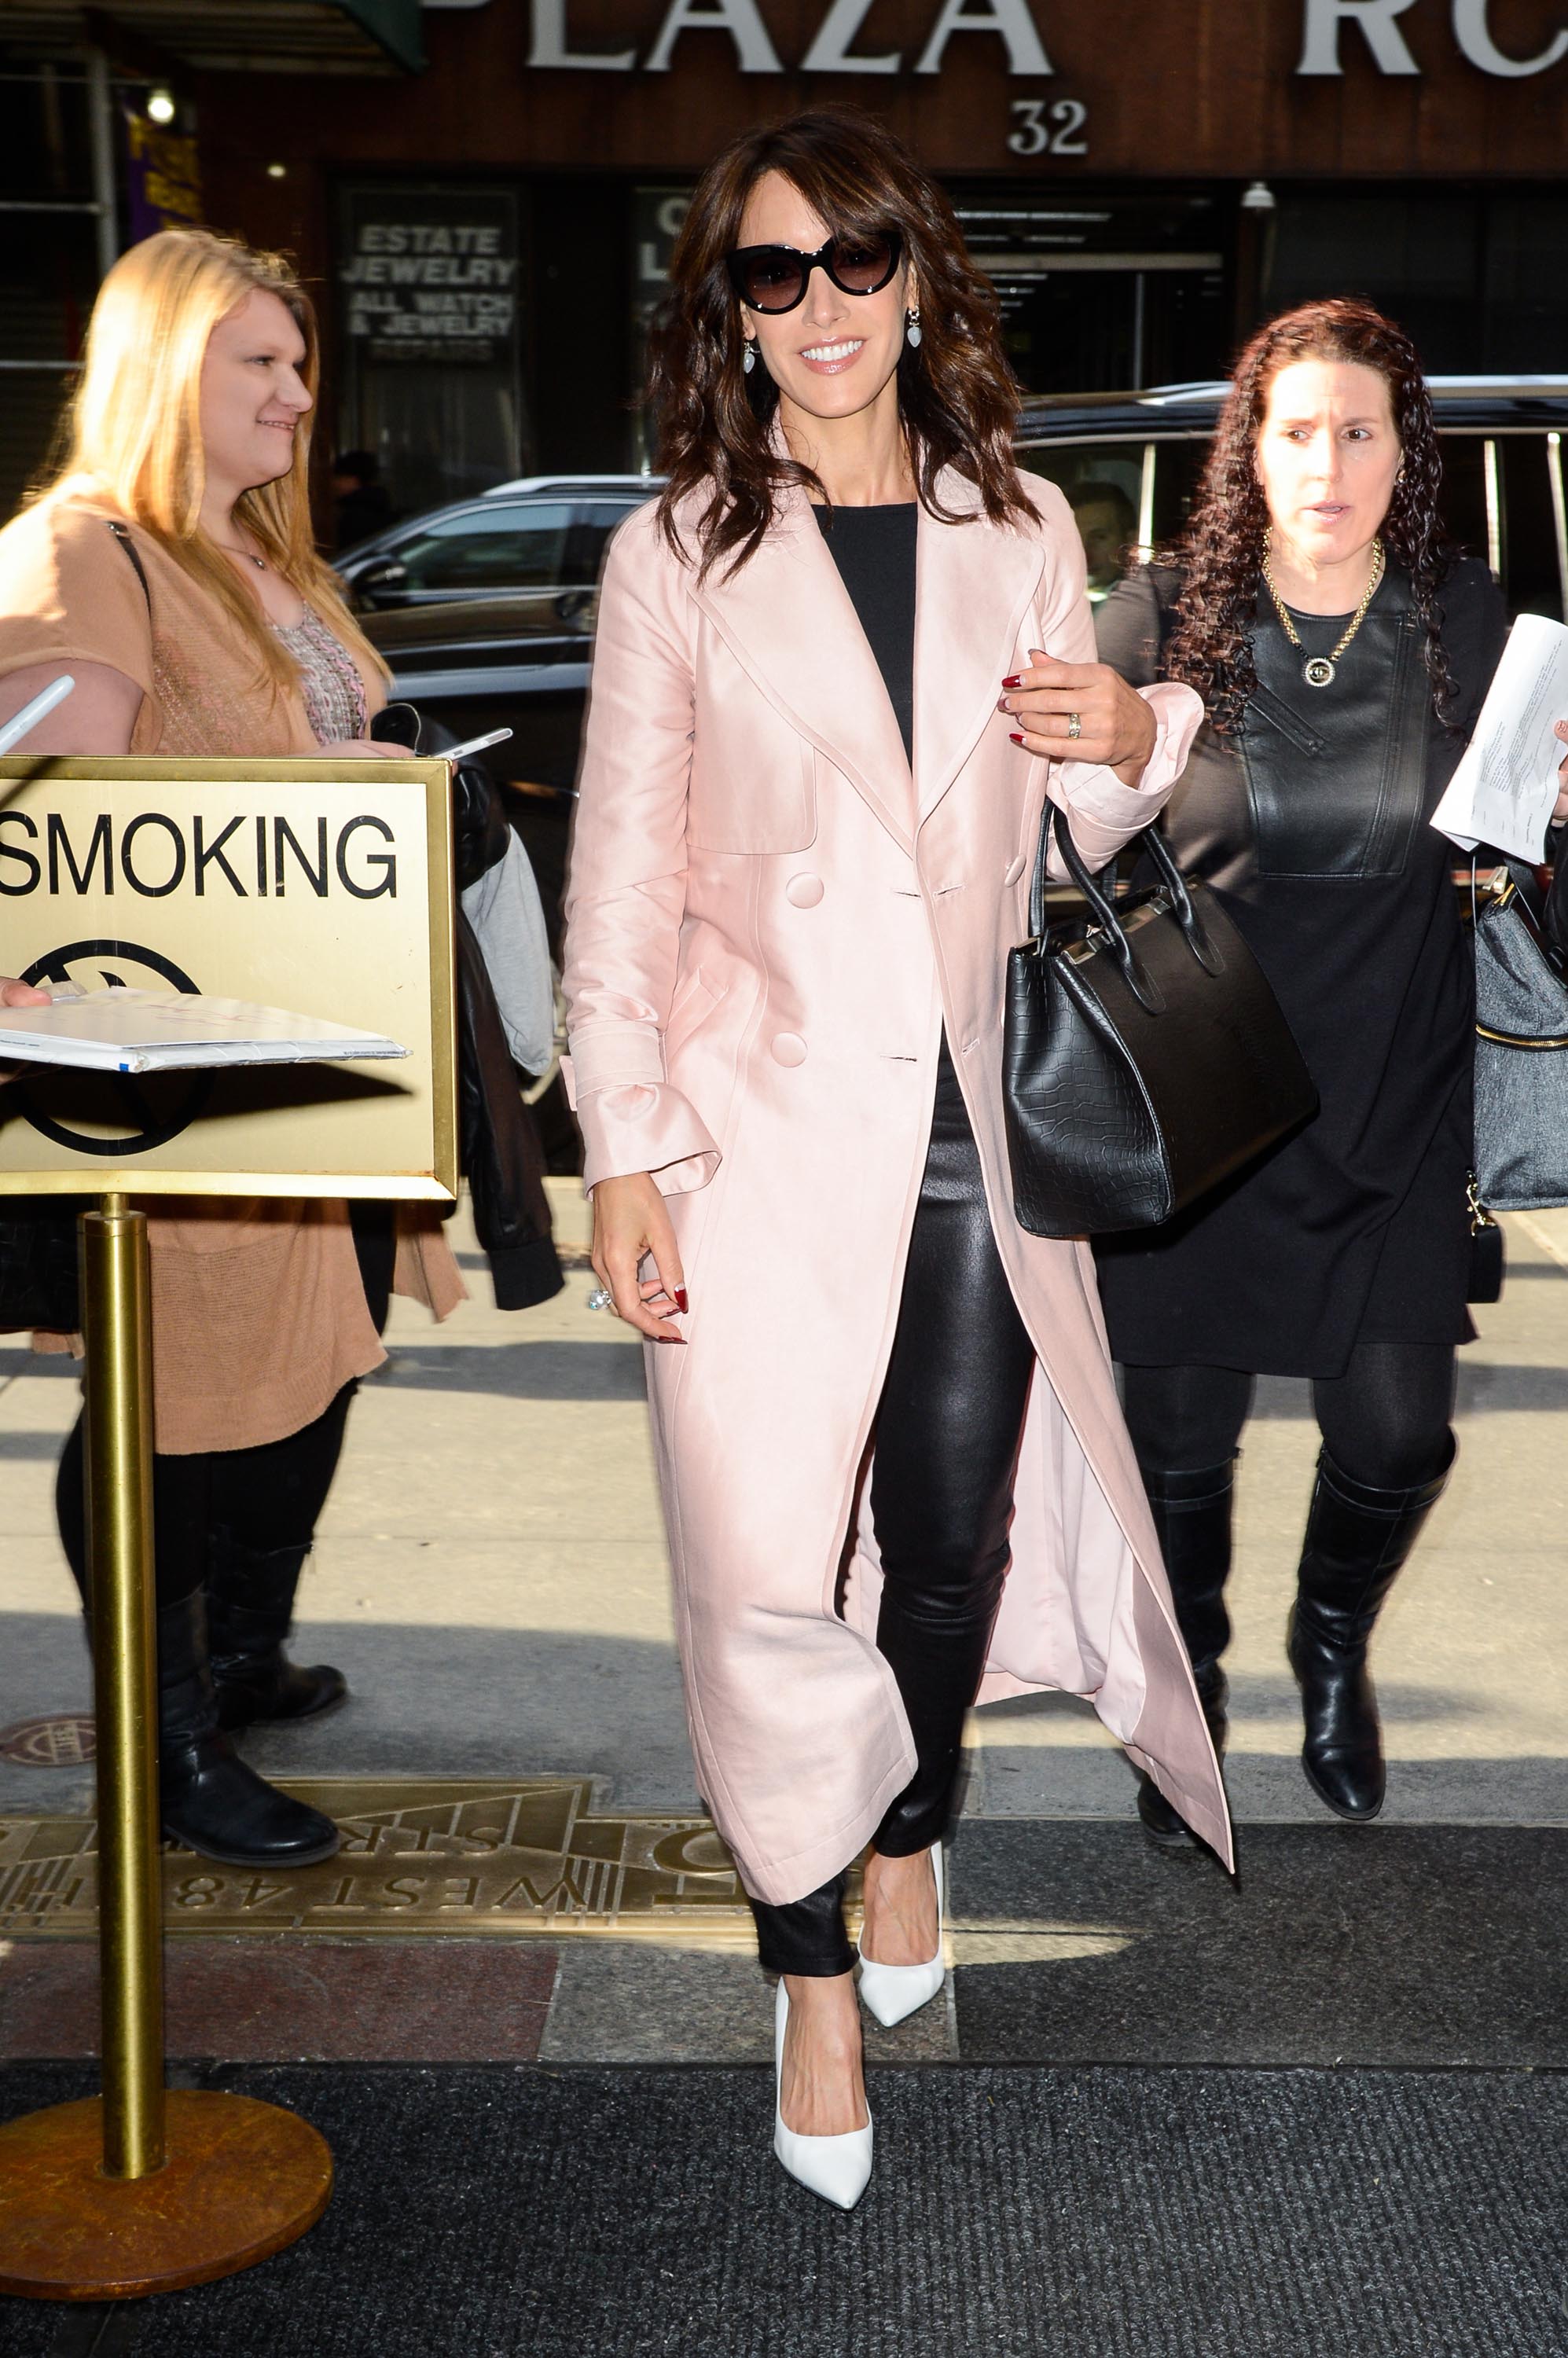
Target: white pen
[473, 745]
[21, 723]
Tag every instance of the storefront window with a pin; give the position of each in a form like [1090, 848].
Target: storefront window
[1103, 291]
[49, 275]
[428, 299]
[1473, 277]
[656, 218]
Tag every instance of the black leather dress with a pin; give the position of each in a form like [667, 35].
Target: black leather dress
[1312, 827]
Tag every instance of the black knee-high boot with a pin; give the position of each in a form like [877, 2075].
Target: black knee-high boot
[1192, 1512]
[212, 1800]
[250, 1603]
[1357, 1541]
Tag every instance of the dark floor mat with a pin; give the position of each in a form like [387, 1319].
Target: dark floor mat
[1026, 2214]
[1336, 1944]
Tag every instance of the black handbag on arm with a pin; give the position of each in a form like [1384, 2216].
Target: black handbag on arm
[1144, 1056]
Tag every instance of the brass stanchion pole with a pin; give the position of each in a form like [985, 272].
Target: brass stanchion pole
[142, 2190]
[115, 1292]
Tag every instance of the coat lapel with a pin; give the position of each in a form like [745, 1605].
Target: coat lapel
[787, 619]
[974, 584]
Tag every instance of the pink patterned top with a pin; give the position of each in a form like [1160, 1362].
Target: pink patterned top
[330, 680]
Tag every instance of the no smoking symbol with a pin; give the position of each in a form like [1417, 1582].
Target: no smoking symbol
[151, 1113]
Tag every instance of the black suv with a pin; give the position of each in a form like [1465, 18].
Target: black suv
[1130, 463]
[541, 536]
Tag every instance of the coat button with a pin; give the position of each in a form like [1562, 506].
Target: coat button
[789, 1048]
[1014, 870]
[805, 892]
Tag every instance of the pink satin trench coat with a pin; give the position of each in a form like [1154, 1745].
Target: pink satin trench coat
[769, 921]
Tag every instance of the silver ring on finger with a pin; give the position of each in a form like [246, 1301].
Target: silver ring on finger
[600, 1299]
[1074, 725]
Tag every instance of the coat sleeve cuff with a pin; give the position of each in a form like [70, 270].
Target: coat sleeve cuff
[1105, 812]
[637, 1126]
[631, 1118]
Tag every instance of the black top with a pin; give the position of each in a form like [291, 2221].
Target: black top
[874, 551]
[1311, 825]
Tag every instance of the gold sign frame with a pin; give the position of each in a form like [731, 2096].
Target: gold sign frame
[126, 862]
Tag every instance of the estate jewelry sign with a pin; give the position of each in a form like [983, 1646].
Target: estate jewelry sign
[428, 276]
[320, 887]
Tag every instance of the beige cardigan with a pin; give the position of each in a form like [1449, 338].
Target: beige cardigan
[259, 1313]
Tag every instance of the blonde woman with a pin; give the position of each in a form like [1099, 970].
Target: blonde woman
[170, 564]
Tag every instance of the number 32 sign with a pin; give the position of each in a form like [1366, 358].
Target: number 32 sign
[1042, 129]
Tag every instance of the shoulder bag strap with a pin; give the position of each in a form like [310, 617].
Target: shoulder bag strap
[129, 546]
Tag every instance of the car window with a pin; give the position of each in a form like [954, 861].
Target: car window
[1103, 482]
[1464, 494]
[1177, 469]
[594, 522]
[1530, 514]
[505, 547]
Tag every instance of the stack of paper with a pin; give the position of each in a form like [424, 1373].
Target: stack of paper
[168, 1031]
[1506, 784]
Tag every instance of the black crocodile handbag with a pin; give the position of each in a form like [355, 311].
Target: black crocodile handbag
[1144, 1058]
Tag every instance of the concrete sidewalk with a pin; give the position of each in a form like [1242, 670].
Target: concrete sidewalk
[490, 1575]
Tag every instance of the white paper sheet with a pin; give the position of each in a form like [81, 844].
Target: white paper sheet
[1503, 791]
[170, 1031]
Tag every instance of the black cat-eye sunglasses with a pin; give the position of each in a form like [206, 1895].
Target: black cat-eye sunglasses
[774, 278]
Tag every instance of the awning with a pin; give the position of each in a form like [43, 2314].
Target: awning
[344, 36]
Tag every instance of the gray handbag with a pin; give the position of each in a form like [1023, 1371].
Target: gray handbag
[1521, 1057]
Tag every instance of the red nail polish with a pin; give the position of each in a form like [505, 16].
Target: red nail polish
[1014, 738]
[1014, 682]
[680, 1298]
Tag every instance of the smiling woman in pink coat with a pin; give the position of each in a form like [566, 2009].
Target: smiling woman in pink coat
[839, 664]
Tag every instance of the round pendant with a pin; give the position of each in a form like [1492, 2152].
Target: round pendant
[1318, 672]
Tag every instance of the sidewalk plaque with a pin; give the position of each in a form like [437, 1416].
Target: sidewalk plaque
[323, 887]
[452, 1857]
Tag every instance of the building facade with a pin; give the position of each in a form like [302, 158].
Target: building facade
[487, 218]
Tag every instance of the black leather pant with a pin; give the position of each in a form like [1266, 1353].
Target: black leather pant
[947, 1442]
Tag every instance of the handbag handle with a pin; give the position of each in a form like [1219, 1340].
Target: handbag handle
[1055, 825]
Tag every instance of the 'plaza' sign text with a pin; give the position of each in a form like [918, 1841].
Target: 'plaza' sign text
[1329, 28]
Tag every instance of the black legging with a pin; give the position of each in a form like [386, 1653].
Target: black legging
[273, 1494]
[947, 1442]
[1385, 1422]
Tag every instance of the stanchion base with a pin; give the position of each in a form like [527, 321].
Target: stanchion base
[242, 2179]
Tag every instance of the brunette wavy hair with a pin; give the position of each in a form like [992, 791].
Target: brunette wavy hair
[956, 395]
[1220, 555]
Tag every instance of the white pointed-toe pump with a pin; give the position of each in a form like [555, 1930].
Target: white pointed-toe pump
[894, 1992]
[836, 2167]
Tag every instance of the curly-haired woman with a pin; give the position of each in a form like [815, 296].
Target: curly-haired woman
[1343, 649]
[837, 664]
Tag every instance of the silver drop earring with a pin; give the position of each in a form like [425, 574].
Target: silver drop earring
[912, 327]
[749, 360]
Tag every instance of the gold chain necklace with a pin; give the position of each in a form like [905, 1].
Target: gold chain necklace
[1318, 670]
